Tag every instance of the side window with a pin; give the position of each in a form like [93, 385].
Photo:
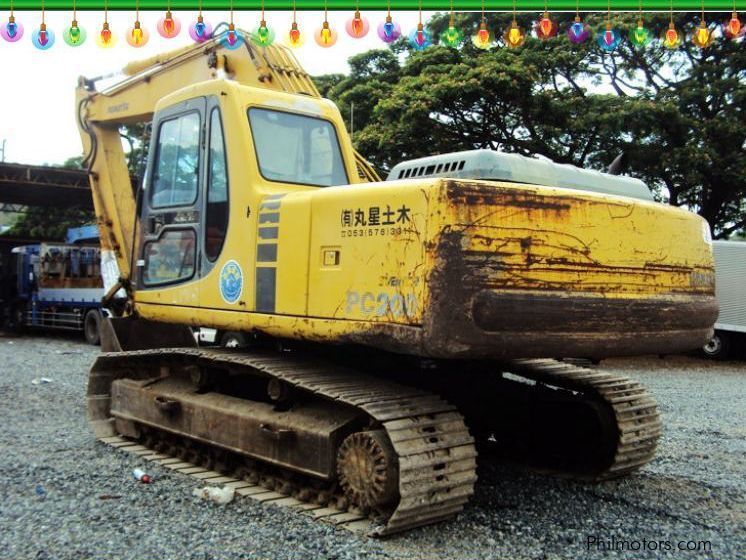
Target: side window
[170, 258]
[216, 221]
[176, 170]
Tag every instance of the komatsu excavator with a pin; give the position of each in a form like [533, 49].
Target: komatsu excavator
[394, 326]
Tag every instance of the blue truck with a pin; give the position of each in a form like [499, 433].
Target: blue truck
[59, 286]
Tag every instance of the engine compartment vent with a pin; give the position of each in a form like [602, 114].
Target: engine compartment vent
[491, 165]
[429, 170]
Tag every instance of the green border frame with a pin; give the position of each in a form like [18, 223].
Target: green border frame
[349, 5]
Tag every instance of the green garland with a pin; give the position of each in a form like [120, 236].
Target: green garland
[397, 5]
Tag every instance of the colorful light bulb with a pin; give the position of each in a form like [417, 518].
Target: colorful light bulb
[325, 36]
[200, 31]
[388, 30]
[105, 38]
[11, 31]
[232, 39]
[578, 32]
[732, 28]
[514, 36]
[169, 26]
[702, 36]
[451, 37]
[482, 39]
[43, 38]
[640, 36]
[419, 38]
[263, 36]
[295, 39]
[137, 36]
[357, 26]
[608, 39]
[545, 28]
[74, 35]
[671, 37]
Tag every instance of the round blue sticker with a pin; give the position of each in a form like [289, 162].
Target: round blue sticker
[231, 282]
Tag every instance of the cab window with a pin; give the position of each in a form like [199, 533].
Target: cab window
[170, 258]
[216, 222]
[292, 148]
[176, 172]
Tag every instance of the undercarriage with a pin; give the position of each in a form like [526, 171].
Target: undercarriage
[398, 447]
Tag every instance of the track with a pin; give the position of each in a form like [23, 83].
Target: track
[435, 454]
[261, 490]
[638, 424]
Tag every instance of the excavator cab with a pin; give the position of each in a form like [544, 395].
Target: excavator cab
[222, 156]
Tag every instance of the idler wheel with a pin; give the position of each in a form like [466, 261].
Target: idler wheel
[368, 469]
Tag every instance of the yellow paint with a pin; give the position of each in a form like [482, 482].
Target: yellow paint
[598, 244]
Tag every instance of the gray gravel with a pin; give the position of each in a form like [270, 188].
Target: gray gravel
[64, 495]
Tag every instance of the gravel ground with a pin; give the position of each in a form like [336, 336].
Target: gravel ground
[64, 495]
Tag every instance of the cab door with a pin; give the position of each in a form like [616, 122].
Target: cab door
[171, 207]
[215, 190]
[223, 267]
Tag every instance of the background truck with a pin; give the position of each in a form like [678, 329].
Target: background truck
[730, 289]
[59, 286]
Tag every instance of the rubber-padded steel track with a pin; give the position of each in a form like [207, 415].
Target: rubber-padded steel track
[638, 422]
[435, 452]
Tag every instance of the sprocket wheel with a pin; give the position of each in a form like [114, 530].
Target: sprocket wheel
[368, 469]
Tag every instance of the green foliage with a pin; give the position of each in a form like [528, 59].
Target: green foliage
[73, 163]
[137, 138]
[326, 82]
[677, 115]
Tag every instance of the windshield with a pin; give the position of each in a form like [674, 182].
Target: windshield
[294, 148]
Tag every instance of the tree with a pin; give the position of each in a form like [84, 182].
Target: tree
[75, 162]
[137, 138]
[677, 115]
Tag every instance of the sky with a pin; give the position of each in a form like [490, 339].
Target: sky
[37, 96]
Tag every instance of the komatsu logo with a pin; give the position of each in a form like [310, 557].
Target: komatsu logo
[118, 108]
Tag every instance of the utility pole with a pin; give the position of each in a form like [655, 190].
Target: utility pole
[2, 151]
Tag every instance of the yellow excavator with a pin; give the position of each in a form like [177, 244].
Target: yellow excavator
[392, 327]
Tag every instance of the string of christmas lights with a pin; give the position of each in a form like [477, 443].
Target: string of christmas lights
[358, 26]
